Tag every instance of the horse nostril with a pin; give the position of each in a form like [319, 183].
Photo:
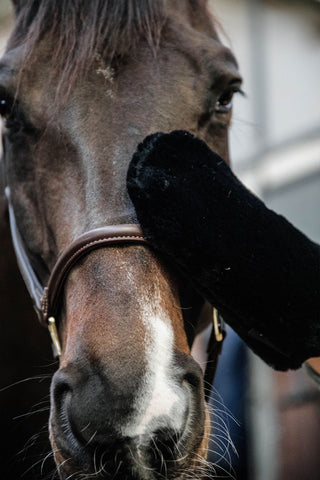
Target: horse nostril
[61, 397]
[84, 409]
[165, 446]
[192, 379]
[194, 376]
[61, 386]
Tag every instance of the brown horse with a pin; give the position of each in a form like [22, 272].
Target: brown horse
[81, 84]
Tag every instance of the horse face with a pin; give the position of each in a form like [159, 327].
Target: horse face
[127, 399]
[127, 385]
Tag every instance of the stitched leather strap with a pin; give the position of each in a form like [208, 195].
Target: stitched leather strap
[34, 286]
[46, 299]
[92, 240]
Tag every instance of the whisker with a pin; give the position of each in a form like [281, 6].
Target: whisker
[49, 455]
[24, 380]
[91, 438]
[29, 414]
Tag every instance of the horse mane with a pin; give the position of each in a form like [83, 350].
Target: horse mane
[84, 30]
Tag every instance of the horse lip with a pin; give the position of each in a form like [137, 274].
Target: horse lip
[71, 459]
[67, 446]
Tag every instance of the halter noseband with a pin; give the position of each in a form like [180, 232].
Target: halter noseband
[46, 298]
[91, 240]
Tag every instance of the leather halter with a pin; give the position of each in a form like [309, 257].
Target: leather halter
[46, 298]
[91, 240]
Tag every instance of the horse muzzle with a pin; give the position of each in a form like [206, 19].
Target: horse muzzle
[113, 430]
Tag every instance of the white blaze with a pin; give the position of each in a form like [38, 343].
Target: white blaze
[161, 402]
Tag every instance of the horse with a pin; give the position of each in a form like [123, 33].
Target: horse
[81, 84]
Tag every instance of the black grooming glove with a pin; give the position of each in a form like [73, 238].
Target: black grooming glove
[260, 272]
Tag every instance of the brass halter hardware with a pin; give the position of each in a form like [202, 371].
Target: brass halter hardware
[57, 346]
[54, 337]
[217, 326]
[107, 236]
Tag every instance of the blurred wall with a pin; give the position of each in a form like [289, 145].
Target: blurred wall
[275, 142]
[5, 21]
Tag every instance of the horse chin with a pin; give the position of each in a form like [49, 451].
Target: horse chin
[194, 466]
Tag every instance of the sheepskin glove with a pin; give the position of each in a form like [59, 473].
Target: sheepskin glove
[261, 273]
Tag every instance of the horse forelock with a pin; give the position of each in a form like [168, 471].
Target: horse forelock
[83, 30]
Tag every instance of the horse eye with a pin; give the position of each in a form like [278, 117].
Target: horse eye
[6, 105]
[224, 103]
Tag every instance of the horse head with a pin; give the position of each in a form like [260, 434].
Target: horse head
[81, 84]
